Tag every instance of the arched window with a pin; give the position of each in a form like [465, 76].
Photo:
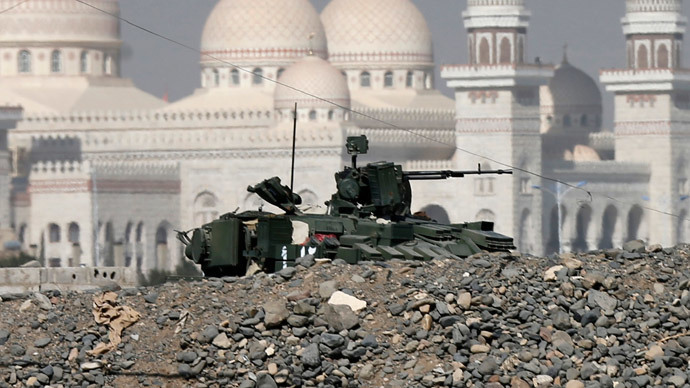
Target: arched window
[205, 206]
[582, 222]
[662, 57]
[22, 234]
[408, 79]
[24, 61]
[140, 232]
[161, 235]
[583, 121]
[484, 54]
[505, 51]
[312, 115]
[642, 61]
[567, 121]
[365, 79]
[331, 114]
[53, 233]
[280, 72]
[84, 62]
[73, 233]
[235, 76]
[427, 81]
[56, 61]
[388, 79]
[216, 77]
[258, 77]
[108, 65]
[485, 215]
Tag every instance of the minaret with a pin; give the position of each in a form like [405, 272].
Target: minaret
[497, 115]
[654, 33]
[652, 117]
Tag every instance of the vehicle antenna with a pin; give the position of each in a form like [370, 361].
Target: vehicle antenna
[294, 138]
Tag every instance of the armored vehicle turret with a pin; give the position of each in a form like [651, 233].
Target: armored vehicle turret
[368, 218]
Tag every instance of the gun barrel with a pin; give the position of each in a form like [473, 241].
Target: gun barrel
[445, 174]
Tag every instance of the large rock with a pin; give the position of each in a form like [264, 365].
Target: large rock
[340, 317]
[311, 356]
[326, 289]
[276, 313]
[341, 298]
[603, 300]
[634, 246]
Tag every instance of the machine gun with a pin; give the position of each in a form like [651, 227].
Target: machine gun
[382, 189]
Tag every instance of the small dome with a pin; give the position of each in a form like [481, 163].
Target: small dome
[385, 32]
[59, 21]
[273, 32]
[571, 87]
[314, 76]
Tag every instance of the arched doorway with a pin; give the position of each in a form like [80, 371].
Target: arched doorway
[525, 243]
[582, 221]
[682, 227]
[106, 246]
[608, 227]
[436, 213]
[634, 221]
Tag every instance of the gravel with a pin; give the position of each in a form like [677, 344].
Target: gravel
[619, 317]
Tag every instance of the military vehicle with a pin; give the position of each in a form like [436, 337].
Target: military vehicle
[368, 218]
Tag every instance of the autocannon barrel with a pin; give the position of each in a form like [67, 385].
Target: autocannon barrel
[445, 174]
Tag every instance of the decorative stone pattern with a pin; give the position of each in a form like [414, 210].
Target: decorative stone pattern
[382, 31]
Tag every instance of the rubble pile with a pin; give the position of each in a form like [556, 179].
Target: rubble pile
[614, 318]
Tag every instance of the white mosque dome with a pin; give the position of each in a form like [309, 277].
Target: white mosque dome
[59, 22]
[381, 32]
[316, 77]
[571, 87]
[272, 32]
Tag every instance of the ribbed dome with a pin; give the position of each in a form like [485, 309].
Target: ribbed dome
[571, 87]
[366, 32]
[273, 32]
[60, 21]
[316, 77]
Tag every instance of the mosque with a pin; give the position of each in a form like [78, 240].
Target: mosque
[96, 172]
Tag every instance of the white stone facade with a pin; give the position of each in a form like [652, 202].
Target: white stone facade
[102, 173]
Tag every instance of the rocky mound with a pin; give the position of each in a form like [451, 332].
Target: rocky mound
[617, 318]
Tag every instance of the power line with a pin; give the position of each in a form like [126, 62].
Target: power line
[590, 194]
[14, 6]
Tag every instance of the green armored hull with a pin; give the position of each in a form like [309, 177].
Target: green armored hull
[368, 219]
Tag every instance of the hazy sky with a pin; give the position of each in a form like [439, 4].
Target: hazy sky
[591, 29]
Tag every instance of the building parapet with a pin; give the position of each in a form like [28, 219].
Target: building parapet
[134, 140]
[421, 116]
[631, 80]
[166, 169]
[425, 165]
[602, 140]
[471, 76]
[146, 119]
[606, 170]
[60, 170]
[428, 137]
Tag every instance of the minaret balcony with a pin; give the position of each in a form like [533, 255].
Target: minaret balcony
[647, 80]
[496, 76]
